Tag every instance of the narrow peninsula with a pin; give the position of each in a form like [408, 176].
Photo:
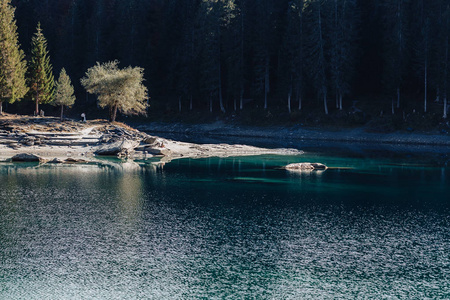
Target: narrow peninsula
[46, 139]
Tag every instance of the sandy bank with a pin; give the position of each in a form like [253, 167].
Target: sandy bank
[49, 138]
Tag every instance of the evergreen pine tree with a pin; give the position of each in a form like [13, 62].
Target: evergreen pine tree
[210, 52]
[263, 35]
[316, 48]
[233, 44]
[445, 60]
[41, 76]
[343, 42]
[395, 45]
[12, 62]
[182, 67]
[64, 92]
[293, 52]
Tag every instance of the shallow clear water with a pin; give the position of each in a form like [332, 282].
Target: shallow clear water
[236, 228]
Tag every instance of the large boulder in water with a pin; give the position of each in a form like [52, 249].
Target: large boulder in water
[119, 147]
[306, 166]
[25, 157]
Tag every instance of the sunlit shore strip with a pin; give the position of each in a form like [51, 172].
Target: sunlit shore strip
[51, 140]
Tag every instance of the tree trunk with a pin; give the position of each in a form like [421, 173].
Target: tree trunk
[325, 102]
[392, 106]
[241, 60]
[114, 114]
[234, 103]
[321, 61]
[445, 74]
[179, 104]
[222, 108]
[190, 102]
[266, 82]
[335, 52]
[340, 101]
[97, 43]
[62, 109]
[241, 100]
[398, 97]
[289, 99]
[425, 87]
[299, 102]
[1, 107]
[210, 103]
[37, 105]
[445, 108]
[72, 29]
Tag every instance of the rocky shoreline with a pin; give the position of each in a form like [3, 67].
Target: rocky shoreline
[356, 135]
[49, 140]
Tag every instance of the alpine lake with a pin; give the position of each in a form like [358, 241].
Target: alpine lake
[375, 225]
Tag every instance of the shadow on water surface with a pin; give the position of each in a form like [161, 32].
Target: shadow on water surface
[431, 153]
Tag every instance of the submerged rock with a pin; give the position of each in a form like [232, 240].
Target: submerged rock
[25, 157]
[306, 166]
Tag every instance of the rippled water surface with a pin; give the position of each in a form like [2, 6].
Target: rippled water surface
[233, 227]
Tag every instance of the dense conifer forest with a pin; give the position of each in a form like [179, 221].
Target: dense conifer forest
[263, 58]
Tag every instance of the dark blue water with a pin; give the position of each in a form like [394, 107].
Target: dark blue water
[237, 228]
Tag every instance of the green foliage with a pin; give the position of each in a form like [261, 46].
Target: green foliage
[395, 44]
[64, 90]
[41, 78]
[12, 62]
[239, 54]
[343, 36]
[118, 89]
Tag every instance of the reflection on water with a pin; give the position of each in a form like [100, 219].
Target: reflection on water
[217, 228]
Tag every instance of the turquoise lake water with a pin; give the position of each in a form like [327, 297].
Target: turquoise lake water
[377, 226]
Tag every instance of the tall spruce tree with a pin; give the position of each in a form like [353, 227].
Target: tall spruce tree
[263, 35]
[233, 48]
[424, 32]
[445, 60]
[210, 45]
[395, 45]
[343, 40]
[42, 83]
[64, 92]
[182, 67]
[12, 62]
[293, 50]
[316, 48]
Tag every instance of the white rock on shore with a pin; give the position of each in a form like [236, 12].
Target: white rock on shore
[48, 139]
